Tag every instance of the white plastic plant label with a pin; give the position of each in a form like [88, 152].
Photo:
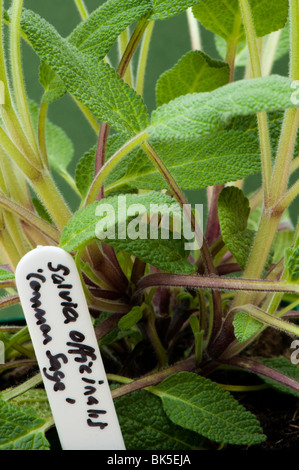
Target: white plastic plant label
[67, 352]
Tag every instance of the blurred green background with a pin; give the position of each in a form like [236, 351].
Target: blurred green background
[170, 41]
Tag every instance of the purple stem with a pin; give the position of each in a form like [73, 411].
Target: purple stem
[261, 369]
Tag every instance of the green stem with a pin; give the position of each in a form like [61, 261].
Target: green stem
[294, 15]
[287, 200]
[17, 77]
[13, 392]
[194, 31]
[31, 218]
[42, 132]
[123, 41]
[259, 253]
[145, 45]
[81, 9]
[269, 52]
[49, 194]
[264, 134]
[282, 169]
[111, 164]
[30, 171]
[154, 338]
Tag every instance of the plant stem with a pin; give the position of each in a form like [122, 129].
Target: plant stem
[81, 9]
[214, 283]
[282, 168]
[261, 369]
[17, 76]
[149, 380]
[42, 132]
[194, 31]
[51, 197]
[154, 338]
[259, 253]
[144, 50]
[262, 118]
[111, 164]
[31, 218]
[123, 41]
[13, 392]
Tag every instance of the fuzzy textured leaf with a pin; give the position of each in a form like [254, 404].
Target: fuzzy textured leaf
[98, 32]
[198, 114]
[95, 85]
[233, 211]
[198, 404]
[195, 72]
[221, 17]
[292, 256]
[110, 220]
[194, 163]
[245, 326]
[145, 425]
[163, 9]
[21, 428]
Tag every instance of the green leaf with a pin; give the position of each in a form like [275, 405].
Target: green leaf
[292, 256]
[54, 88]
[283, 365]
[5, 275]
[163, 9]
[195, 72]
[233, 211]
[221, 17]
[85, 170]
[37, 400]
[145, 425]
[269, 16]
[114, 221]
[245, 326]
[131, 319]
[95, 85]
[21, 428]
[98, 32]
[200, 405]
[198, 114]
[194, 163]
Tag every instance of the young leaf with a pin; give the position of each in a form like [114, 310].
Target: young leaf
[5, 275]
[145, 425]
[292, 256]
[163, 9]
[202, 113]
[98, 32]
[233, 211]
[21, 428]
[95, 85]
[245, 326]
[194, 73]
[114, 221]
[130, 319]
[221, 17]
[200, 405]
